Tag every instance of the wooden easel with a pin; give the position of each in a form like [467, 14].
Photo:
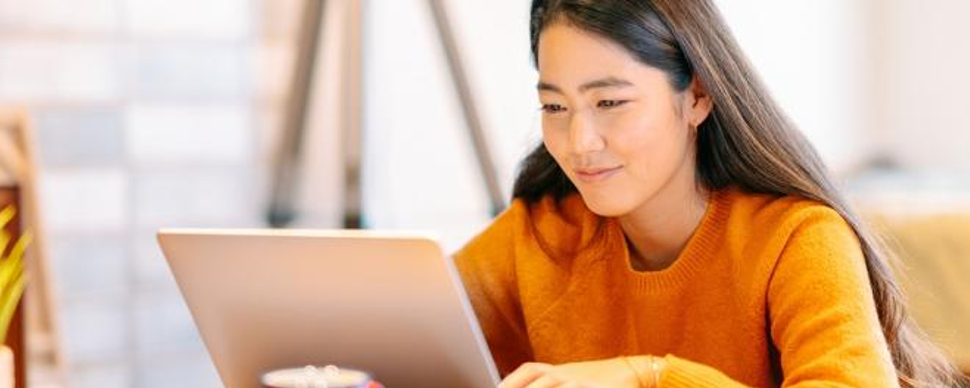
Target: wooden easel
[282, 209]
[35, 326]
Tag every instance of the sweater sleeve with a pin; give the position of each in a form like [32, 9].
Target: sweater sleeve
[487, 268]
[822, 315]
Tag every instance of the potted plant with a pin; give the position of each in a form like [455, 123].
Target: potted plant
[12, 284]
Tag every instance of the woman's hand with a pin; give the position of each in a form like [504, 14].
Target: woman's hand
[610, 373]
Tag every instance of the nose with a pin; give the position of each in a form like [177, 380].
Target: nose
[584, 137]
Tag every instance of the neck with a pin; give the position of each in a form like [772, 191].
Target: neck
[659, 230]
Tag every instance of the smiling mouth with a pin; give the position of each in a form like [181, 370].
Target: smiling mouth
[591, 175]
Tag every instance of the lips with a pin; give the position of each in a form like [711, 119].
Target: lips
[596, 174]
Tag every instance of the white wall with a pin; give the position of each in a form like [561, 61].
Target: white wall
[813, 56]
[923, 50]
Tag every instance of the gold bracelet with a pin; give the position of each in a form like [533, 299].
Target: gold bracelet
[655, 368]
[636, 372]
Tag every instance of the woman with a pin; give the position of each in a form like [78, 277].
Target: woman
[674, 229]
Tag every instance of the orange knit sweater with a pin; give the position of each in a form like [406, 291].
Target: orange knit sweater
[768, 292]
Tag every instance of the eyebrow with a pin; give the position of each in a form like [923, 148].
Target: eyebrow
[608, 82]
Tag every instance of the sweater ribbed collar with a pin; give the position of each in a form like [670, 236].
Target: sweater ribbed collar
[700, 248]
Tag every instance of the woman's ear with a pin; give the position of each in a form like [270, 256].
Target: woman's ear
[699, 103]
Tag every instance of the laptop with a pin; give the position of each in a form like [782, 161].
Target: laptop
[389, 304]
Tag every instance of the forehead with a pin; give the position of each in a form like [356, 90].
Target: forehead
[568, 55]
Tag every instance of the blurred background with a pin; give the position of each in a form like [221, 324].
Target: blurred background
[161, 113]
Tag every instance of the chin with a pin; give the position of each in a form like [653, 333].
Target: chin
[606, 205]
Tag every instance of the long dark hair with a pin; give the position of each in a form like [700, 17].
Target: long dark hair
[747, 141]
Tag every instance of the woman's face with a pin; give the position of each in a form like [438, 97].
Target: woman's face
[617, 128]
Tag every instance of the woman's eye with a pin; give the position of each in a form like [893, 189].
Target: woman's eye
[553, 108]
[610, 103]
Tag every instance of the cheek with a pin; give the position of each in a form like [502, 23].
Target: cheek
[649, 143]
[556, 143]
[635, 135]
